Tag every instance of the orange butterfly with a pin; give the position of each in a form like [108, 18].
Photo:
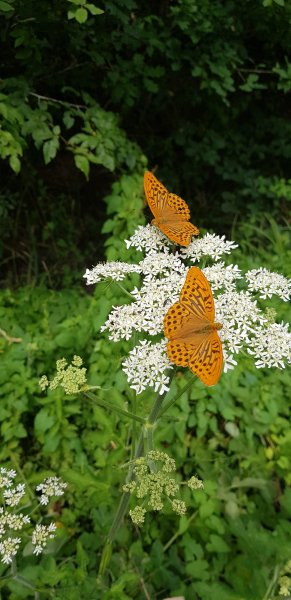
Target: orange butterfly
[171, 213]
[189, 325]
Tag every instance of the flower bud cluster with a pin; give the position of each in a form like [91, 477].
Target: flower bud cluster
[154, 484]
[72, 378]
[285, 581]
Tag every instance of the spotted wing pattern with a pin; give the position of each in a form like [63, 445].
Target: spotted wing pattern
[197, 292]
[191, 331]
[171, 212]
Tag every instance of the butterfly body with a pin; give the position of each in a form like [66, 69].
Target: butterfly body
[192, 335]
[172, 214]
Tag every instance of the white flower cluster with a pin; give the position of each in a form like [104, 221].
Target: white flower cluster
[52, 486]
[16, 521]
[148, 238]
[268, 283]
[209, 245]
[246, 327]
[114, 270]
[146, 365]
[222, 277]
[271, 346]
[146, 313]
[41, 535]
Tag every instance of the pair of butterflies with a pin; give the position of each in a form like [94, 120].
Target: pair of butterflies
[189, 324]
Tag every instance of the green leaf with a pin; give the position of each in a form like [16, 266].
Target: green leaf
[217, 544]
[15, 163]
[83, 164]
[50, 149]
[5, 6]
[43, 421]
[81, 15]
[94, 10]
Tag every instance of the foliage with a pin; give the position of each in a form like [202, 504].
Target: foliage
[234, 540]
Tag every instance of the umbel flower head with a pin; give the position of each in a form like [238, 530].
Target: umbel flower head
[12, 520]
[72, 378]
[246, 325]
[155, 485]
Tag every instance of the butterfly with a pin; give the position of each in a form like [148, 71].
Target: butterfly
[192, 332]
[171, 213]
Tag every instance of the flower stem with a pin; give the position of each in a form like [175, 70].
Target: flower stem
[180, 393]
[124, 500]
[111, 406]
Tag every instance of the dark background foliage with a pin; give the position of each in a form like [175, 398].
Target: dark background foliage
[202, 88]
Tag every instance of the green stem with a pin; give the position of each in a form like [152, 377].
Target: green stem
[182, 391]
[147, 431]
[134, 429]
[110, 406]
[124, 290]
[178, 533]
[273, 582]
[124, 500]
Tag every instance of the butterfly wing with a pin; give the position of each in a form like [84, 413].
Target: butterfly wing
[192, 341]
[179, 232]
[207, 360]
[171, 212]
[156, 194]
[197, 294]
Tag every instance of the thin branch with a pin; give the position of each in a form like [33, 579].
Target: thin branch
[8, 338]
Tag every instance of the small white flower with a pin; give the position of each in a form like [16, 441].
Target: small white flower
[112, 270]
[222, 277]
[13, 495]
[8, 549]
[52, 486]
[16, 521]
[150, 305]
[271, 346]
[268, 283]
[41, 535]
[148, 238]
[161, 262]
[6, 477]
[209, 245]
[146, 366]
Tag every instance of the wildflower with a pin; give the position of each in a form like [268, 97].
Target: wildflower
[268, 283]
[221, 276]
[138, 515]
[6, 477]
[72, 378]
[195, 484]
[148, 238]
[114, 270]
[8, 549]
[154, 485]
[52, 486]
[13, 495]
[271, 346]
[163, 274]
[41, 535]
[145, 367]
[209, 245]
[179, 507]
